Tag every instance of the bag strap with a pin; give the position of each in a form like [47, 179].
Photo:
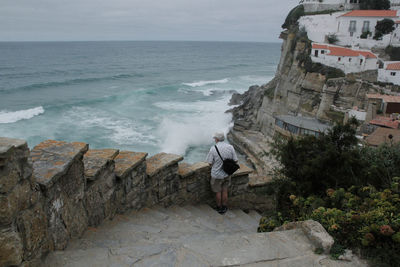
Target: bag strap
[218, 152]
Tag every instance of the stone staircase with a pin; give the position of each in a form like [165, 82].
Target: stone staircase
[188, 236]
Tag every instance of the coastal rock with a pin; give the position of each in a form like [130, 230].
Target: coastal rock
[314, 231]
[11, 250]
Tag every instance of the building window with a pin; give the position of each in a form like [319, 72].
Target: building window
[361, 61]
[316, 53]
[365, 26]
[393, 73]
[339, 59]
[291, 128]
[322, 52]
[350, 59]
[352, 27]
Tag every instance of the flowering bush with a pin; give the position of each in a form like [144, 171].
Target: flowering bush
[360, 217]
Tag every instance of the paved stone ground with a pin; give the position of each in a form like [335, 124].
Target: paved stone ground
[189, 236]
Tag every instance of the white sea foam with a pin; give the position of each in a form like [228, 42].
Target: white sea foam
[122, 130]
[203, 83]
[14, 116]
[194, 127]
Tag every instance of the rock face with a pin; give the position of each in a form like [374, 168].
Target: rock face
[292, 91]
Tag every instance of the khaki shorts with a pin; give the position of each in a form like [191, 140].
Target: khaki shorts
[218, 184]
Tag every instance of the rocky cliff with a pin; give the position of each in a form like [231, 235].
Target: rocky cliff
[296, 89]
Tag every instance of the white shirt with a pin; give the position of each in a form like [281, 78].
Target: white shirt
[227, 152]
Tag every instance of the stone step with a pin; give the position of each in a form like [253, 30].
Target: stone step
[250, 221]
[225, 223]
[255, 215]
[230, 249]
[232, 217]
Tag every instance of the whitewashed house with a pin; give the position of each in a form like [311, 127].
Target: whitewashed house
[395, 41]
[346, 59]
[351, 26]
[390, 73]
[395, 4]
[321, 5]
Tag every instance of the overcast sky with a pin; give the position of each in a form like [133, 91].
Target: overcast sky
[68, 20]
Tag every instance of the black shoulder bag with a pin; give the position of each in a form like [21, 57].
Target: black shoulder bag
[229, 165]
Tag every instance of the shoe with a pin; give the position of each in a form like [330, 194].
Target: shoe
[219, 209]
[223, 210]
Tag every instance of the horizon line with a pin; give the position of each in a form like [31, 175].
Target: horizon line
[61, 41]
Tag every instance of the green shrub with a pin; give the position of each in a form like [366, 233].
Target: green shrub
[375, 4]
[332, 38]
[365, 35]
[293, 17]
[383, 27]
[393, 52]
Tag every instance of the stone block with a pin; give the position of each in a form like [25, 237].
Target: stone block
[11, 249]
[52, 159]
[32, 225]
[314, 81]
[96, 160]
[63, 187]
[238, 180]
[161, 161]
[126, 161]
[14, 165]
[18, 199]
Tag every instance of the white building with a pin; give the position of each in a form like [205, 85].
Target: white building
[321, 5]
[353, 24]
[395, 4]
[346, 59]
[395, 41]
[390, 73]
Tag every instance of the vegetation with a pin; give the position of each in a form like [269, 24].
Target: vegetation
[293, 17]
[332, 38]
[375, 4]
[383, 27]
[352, 191]
[365, 35]
[393, 52]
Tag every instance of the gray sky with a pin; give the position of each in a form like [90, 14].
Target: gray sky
[67, 20]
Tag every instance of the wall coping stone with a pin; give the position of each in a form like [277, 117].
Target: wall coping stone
[186, 169]
[160, 161]
[96, 159]
[7, 143]
[52, 159]
[244, 170]
[126, 161]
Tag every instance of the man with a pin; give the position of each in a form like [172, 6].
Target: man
[220, 181]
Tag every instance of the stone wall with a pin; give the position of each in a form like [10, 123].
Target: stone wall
[53, 193]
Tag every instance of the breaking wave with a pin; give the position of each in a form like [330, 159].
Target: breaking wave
[202, 83]
[14, 116]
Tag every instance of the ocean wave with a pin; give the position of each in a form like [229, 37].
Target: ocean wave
[122, 131]
[72, 82]
[192, 124]
[14, 116]
[203, 83]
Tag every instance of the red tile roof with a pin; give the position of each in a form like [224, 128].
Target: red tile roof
[343, 51]
[381, 136]
[371, 13]
[386, 122]
[319, 46]
[393, 66]
[385, 98]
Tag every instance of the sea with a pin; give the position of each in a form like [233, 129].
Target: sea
[144, 96]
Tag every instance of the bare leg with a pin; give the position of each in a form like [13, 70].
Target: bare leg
[218, 199]
[225, 197]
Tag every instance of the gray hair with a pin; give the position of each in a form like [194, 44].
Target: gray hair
[219, 136]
